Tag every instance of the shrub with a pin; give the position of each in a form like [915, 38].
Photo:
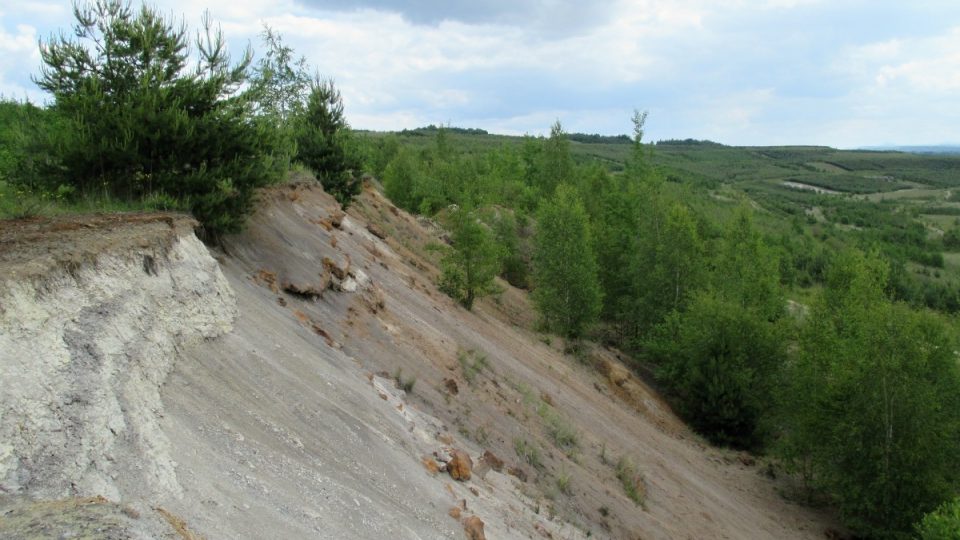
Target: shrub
[941, 524]
[632, 482]
[528, 452]
[472, 363]
[719, 361]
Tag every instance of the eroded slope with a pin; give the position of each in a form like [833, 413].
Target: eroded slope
[281, 416]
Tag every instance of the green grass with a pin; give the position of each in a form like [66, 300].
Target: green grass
[632, 482]
[561, 432]
[18, 203]
[472, 363]
[528, 452]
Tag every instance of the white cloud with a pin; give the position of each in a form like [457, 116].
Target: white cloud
[739, 71]
[18, 54]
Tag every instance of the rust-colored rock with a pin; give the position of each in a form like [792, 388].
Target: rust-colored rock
[473, 526]
[460, 466]
[542, 530]
[376, 231]
[455, 513]
[430, 465]
[492, 460]
[518, 472]
[267, 278]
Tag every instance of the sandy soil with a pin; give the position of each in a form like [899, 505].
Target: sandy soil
[291, 425]
[527, 389]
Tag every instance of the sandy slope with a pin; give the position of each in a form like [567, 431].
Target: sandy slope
[290, 426]
[281, 415]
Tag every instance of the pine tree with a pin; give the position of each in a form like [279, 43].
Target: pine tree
[143, 122]
[324, 142]
[567, 291]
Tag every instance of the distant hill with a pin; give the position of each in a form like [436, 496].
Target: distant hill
[932, 149]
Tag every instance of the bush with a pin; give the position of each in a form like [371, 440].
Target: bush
[719, 361]
[941, 524]
[139, 120]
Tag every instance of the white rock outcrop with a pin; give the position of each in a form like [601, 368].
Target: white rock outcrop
[84, 350]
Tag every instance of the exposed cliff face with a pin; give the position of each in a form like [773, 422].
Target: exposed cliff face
[91, 318]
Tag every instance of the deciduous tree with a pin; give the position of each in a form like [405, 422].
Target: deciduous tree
[567, 292]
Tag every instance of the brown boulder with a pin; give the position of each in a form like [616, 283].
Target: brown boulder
[460, 466]
[473, 526]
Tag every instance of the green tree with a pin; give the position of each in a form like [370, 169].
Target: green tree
[402, 179]
[506, 228]
[324, 142]
[470, 267]
[667, 263]
[556, 164]
[747, 271]
[567, 291]
[638, 164]
[141, 121]
[614, 218]
[871, 406]
[280, 84]
[282, 81]
[941, 524]
[719, 362]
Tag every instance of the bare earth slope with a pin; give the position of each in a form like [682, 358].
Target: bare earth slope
[289, 424]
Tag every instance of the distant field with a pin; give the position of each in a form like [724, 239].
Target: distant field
[847, 171]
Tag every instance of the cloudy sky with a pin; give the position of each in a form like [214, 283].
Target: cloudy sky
[846, 73]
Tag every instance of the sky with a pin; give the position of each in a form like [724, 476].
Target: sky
[844, 73]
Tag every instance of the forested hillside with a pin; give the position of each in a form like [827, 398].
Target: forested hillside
[794, 302]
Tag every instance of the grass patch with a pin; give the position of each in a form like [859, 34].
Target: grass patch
[563, 434]
[528, 452]
[472, 363]
[563, 482]
[19, 203]
[403, 383]
[632, 482]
